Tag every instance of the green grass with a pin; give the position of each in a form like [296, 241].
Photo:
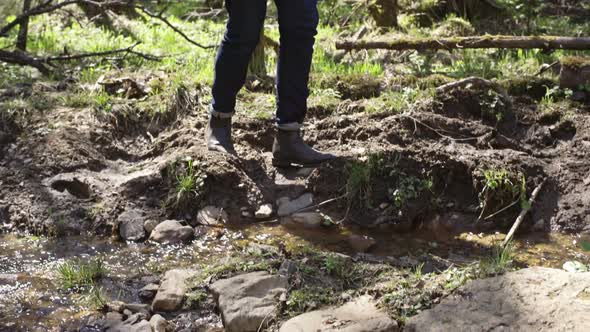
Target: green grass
[499, 262]
[78, 275]
[189, 183]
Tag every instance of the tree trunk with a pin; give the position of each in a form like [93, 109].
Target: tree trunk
[257, 66]
[384, 12]
[23, 32]
[532, 42]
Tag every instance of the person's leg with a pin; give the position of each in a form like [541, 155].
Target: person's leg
[246, 19]
[298, 20]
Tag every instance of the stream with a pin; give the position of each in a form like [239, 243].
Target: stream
[31, 299]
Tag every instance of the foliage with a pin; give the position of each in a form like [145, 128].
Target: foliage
[78, 275]
[189, 183]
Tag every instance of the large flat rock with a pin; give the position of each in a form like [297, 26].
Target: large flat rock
[532, 299]
[249, 300]
[360, 315]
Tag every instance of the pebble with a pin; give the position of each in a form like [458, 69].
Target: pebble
[264, 212]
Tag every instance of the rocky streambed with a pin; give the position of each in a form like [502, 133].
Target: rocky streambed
[124, 221]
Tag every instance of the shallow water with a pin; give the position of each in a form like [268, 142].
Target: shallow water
[35, 302]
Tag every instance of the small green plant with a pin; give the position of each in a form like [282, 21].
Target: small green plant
[196, 298]
[500, 191]
[78, 275]
[103, 102]
[190, 183]
[409, 188]
[94, 298]
[308, 298]
[359, 183]
[499, 262]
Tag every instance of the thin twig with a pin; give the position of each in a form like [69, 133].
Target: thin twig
[321, 204]
[128, 49]
[523, 213]
[502, 210]
[173, 27]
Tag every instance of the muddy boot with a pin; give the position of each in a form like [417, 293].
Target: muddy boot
[290, 149]
[218, 135]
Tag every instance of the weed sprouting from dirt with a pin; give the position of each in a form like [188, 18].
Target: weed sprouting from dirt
[501, 190]
[189, 184]
[79, 276]
[359, 184]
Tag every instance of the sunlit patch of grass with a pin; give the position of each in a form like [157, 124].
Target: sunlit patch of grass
[78, 275]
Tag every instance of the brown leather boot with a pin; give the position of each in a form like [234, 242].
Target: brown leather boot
[218, 135]
[289, 149]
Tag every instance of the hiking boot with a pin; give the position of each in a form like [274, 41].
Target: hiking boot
[218, 135]
[290, 149]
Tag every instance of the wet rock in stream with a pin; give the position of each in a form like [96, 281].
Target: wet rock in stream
[171, 232]
[171, 291]
[212, 216]
[131, 225]
[248, 301]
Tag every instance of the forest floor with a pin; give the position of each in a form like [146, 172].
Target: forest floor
[426, 184]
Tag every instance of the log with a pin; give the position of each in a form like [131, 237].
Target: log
[517, 42]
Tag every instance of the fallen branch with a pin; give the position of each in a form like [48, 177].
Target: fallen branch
[173, 27]
[518, 42]
[24, 59]
[43, 64]
[522, 214]
[48, 7]
[129, 49]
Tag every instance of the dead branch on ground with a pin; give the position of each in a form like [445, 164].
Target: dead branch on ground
[511, 42]
[525, 210]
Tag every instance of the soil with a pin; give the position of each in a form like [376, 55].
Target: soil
[70, 171]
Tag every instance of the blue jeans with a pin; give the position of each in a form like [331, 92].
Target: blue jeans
[298, 20]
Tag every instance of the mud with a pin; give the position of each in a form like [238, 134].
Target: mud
[70, 172]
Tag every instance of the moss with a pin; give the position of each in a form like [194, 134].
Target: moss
[427, 82]
[575, 62]
[454, 26]
[532, 86]
[354, 86]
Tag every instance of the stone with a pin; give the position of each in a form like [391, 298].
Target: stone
[158, 323]
[531, 299]
[171, 291]
[361, 243]
[131, 225]
[142, 326]
[8, 279]
[287, 206]
[112, 317]
[264, 212]
[305, 219]
[138, 308]
[171, 232]
[361, 315]
[148, 291]
[288, 268]
[149, 225]
[247, 301]
[212, 216]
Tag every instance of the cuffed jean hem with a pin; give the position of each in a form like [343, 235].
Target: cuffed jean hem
[221, 115]
[291, 126]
